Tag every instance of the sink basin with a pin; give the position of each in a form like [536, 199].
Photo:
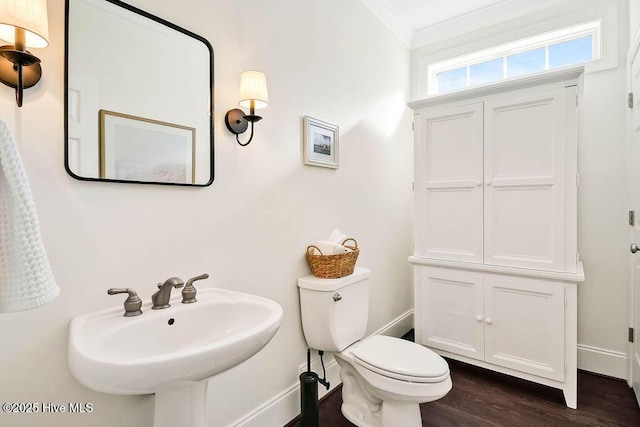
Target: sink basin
[173, 349]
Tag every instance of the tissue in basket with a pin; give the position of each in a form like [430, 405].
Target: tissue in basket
[333, 266]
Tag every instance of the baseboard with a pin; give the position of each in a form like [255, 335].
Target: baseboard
[602, 361]
[285, 406]
[272, 412]
[398, 327]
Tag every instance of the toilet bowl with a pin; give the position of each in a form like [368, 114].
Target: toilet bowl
[384, 378]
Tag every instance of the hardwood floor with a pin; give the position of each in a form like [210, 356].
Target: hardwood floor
[484, 398]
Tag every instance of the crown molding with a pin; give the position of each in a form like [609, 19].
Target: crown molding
[393, 21]
[481, 18]
[487, 16]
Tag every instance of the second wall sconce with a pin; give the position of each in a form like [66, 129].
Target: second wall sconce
[23, 23]
[253, 95]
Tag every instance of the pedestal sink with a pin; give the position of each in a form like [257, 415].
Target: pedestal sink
[173, 351]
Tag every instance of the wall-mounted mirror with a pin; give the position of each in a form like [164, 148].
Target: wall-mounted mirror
[138, 99]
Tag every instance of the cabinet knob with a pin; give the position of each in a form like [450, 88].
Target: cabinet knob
[633, 248]
[478, 318]
[487, 183]
[488, 321]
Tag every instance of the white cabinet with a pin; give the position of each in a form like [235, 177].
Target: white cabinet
[448, 179]
[524, 325]
[508, 321]
[450, 305]
[496, 176]
[495, 227]
[505, 319]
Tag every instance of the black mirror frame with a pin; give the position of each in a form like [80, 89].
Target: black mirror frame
[66, 95]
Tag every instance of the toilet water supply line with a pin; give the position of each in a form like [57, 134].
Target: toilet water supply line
[322, 381]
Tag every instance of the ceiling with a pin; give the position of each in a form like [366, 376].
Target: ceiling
[421, 22]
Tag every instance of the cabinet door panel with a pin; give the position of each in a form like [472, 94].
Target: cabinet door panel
[448, 187]
[524, 187]
[525, 325]
[450, 305]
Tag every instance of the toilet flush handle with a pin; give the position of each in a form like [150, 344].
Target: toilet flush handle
[337, 297]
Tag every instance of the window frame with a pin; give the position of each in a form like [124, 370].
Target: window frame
[591, 28]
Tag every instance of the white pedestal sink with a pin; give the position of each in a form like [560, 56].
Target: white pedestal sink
[173, 351]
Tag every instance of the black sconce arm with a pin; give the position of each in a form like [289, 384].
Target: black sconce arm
[237, 123]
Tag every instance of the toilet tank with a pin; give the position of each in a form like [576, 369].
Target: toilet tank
[334, 311]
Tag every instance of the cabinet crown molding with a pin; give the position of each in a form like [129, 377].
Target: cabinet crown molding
[571, 75]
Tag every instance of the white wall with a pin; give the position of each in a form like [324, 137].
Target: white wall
[634, 17]
[603, 231]
[331, 60]
[603, 193]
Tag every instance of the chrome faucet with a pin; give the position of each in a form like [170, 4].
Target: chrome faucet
[161, 298]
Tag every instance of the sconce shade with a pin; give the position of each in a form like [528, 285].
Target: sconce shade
[253, 87]
[29, 15]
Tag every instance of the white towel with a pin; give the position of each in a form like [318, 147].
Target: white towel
[26, 279]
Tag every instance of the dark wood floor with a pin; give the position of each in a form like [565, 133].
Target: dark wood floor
[484, 398]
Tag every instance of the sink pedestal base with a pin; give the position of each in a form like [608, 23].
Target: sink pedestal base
[184, 406]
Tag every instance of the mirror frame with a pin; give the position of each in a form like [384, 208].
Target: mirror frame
[66, 95]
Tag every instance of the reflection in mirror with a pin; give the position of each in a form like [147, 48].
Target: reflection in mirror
[139, 99]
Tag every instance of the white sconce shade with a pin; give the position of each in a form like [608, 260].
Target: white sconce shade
[29, 15]
[253, 87]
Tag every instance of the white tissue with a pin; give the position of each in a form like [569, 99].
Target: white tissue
[333, 245]
[329, 248]
[337, 236]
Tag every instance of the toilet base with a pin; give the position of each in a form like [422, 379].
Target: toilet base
[391, 414]
[364, 409]
[401, 414]
[358, 418]
[358, 405]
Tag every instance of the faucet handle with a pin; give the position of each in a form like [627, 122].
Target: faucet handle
[132, 304]
[189, 291]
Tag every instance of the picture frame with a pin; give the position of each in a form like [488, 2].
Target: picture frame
[139, 149]
[320, 143]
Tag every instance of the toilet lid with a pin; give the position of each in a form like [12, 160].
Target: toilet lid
[400, 359]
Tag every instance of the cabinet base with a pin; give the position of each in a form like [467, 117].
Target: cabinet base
[569, 387]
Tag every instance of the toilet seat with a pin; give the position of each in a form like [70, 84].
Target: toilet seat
[400, 359]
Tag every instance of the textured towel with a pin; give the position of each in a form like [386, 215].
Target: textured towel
[26, 279]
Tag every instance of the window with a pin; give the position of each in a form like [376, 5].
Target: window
[568, 46]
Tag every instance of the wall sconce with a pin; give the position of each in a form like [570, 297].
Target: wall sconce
[253, 95]
[23, 23]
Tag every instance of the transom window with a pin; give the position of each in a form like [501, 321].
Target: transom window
[569, 46]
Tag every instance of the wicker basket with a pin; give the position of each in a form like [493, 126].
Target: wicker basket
[333, 266]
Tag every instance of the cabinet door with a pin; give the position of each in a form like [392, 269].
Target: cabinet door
[524, 189]
[448, 183]
[449, 304]
[524, 325]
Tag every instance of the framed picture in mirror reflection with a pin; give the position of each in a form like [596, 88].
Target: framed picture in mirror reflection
[142, 149]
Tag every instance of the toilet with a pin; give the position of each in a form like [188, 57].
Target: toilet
[384, 379]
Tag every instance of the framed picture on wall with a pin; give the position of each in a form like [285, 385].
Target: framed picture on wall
[139, 149]
[320, 143]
